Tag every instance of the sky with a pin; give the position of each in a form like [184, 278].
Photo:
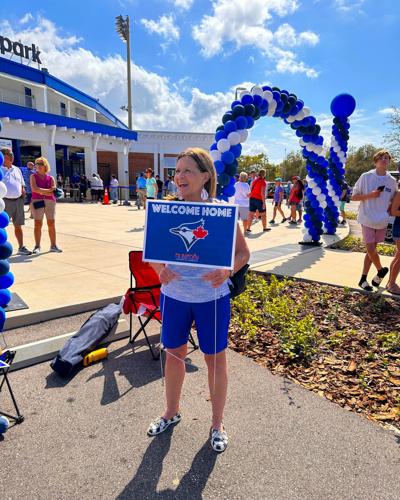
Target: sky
[189, 57]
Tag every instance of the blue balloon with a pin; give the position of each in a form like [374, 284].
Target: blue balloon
[7, 280]
[6, 250]
[227, 157]
[343, 105]
[235, 103]
[1, 175]
[219, 166]
[241, 122]
[236, 150]
[212, 147]
[1, 159]
[4, 267]
[3, 236]
[250, 121]
[223, 179]
[257, 100]
[229, 190]
[2, 319]
[230, 126]
[266, 87]
[5, 297]
[221, 134]
[247, 99]
[4, 424]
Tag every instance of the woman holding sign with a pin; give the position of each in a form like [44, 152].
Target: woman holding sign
[201, 295]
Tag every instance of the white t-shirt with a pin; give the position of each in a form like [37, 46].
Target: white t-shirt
[14, 180]
[242, 189]
[374, 212]
[114, 183]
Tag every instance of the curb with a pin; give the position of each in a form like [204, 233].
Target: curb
[44, 350]
[59, 312]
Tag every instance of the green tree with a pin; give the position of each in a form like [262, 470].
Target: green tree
[293, 164]
[359, 161]
[247, 163]
[392, 138]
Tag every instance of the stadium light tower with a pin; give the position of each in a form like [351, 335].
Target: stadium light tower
[122, 28]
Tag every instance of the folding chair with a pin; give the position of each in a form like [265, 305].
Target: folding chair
[6, 359]
[143, 300]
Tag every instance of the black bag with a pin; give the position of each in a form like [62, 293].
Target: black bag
[38, 204]
[237, 282]
[92, 332]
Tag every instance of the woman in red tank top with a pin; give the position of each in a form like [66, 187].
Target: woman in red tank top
[43, 202]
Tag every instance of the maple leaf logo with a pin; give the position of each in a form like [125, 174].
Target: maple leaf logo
[200, 233]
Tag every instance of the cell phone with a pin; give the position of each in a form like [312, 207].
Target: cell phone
[381, 188]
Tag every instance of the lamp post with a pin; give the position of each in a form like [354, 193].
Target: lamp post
[122, 28]
[237, 90]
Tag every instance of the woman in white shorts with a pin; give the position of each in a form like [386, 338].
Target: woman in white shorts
[242, 193]
[43, 202]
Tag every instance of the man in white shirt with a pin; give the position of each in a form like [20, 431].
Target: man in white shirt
[14, 199]
[375, 190]
[114, 189]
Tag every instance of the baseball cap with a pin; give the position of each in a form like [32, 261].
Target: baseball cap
[296, 177]
[278, 179]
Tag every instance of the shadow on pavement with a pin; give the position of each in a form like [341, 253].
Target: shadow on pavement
[144, 484]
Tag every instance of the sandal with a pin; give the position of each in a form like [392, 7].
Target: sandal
[219, 440]
[395, 290]
[161, 424]
[365, 286]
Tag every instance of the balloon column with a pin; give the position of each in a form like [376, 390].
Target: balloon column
[342, 107]
[6, 277]
[271, 101]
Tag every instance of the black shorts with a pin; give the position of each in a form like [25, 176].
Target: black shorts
[256, 204]
[277, 203]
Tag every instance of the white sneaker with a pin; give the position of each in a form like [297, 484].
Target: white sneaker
[36, 250]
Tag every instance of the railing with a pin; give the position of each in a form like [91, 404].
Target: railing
[12, 97]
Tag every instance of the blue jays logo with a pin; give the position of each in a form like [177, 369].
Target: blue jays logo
[190, 232]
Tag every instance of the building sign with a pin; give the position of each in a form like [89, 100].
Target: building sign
[198, 234]
[17, 48]
[5, 143]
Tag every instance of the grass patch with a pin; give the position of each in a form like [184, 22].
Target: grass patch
[341, 344]
[355, 244]
[351, 215]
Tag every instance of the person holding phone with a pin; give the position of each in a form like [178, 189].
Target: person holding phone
[43, 202]
[375, 191]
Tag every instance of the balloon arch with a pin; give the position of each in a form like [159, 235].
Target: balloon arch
[325, 172]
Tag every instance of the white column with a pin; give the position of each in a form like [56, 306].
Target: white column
[123, 172]
[161, 169]
[90, 162]
[49, 152]
[155, 158]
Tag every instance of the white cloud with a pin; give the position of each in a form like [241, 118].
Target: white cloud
[26, 18]
[348, 5]
[158, 103]
[233, 23]
[386, 111]
[164, 27]
[183, 4]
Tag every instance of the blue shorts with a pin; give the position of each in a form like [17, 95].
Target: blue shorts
[178, 318]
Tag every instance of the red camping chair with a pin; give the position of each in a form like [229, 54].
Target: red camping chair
[143, 300]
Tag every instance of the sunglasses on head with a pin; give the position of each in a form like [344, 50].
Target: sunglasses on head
[39, 164]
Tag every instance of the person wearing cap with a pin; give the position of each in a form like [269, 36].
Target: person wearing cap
[278, 198]
[15, 196]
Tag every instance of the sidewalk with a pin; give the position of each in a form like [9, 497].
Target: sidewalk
[93, 268]
[86, 438]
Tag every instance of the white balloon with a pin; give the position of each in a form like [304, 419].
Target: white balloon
[215, 154]
[244, 134]
[320, 198]
[234, 138]
[3, 190]
[244, 92]
[257, 91]
[268, 95]
[302, 142]
[291, 119]
[306, 111]
[318, 149]
[324, 204]
[309, 147]
[317, 190]
[336, 149]
[304, 230]
[271, 108]
[223, 145]
[307, 238]
[300, 115]
[2, 205]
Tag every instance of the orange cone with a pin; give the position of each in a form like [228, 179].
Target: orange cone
[106, 200]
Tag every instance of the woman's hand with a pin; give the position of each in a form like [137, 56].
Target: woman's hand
[217, 277]
[166, 275]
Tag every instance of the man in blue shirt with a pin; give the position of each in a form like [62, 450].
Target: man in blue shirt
[26, 174]
[141, 191]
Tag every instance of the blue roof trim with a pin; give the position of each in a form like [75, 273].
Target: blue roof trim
[37, 76]
[27, 114]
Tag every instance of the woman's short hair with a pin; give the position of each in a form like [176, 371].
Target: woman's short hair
[379, 154]
[45, 162]
[243, 176]
[205, 164]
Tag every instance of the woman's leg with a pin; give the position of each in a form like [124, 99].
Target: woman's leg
[175, 370]
[250, 220]
[51, 224]
[38, 232]
[219, 391]
[293, 212]
[394, 267]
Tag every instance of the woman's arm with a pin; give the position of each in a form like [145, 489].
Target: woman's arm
[395, 207]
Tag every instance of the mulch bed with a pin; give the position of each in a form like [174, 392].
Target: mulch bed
[357, 361]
